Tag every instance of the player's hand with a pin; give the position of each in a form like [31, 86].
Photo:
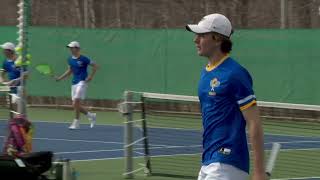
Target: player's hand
[88, 79]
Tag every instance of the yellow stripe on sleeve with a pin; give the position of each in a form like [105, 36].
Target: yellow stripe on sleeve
[254, 102]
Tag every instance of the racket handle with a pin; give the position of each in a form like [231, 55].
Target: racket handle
[272, 158]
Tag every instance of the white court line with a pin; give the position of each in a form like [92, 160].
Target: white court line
[292, 142]
[303, 149]
[76, 140]
[135, 157]
[297, 178]
[93, 151]
[154, 127]
[157, 145]
[290, 135]
[79, 140]
[139, 153]
[168, 147]
[111, 150]
[57, 122]
[88, 141]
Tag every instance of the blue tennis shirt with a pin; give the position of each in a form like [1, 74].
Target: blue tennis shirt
[13, 72]
[223, 92]
[79, 67]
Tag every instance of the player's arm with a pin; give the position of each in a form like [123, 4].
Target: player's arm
[93, 72]
[67, 73]
[15, 82]
[252, 116]
[242, 88]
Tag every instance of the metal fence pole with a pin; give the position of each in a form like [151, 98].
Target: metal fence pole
[146, 140]
[128, 135]
[24, 20]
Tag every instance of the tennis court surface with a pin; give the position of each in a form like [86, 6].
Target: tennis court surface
[98, 152]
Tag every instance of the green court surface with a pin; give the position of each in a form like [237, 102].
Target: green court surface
[288, 166]
[292, 163]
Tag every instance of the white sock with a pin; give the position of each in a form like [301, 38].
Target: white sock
[76, 120]
[89, 114]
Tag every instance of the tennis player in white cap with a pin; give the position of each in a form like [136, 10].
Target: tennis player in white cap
[78, 67]
[10, 73]
[227, 103]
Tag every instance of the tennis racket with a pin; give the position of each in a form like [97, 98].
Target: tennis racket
[272, 158]
[45, 70]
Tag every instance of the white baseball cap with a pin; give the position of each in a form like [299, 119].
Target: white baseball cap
[74, 44]
[8, 46]
[212, 23]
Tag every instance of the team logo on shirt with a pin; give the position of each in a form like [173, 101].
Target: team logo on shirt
[80, 63]
[213, 84]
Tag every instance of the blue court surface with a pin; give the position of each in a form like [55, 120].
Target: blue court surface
[106, 141]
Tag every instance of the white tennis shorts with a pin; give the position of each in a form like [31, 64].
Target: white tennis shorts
[15, 99]
[220, 171]
[78, 91]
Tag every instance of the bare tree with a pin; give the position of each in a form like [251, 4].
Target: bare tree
[118, 17]
[78, 12]
[92, 14]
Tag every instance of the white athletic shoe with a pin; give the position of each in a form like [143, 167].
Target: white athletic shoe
[75, 124]
[93, 119]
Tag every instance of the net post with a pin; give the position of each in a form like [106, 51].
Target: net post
[145, 136]
[128, 135]
[23, 30]
[11, 115]
[7, 99]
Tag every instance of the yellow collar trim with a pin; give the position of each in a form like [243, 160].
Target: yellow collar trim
[211, 67]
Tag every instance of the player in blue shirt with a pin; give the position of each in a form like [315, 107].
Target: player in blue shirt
[78, 66]
[10, 74]
[227, 103]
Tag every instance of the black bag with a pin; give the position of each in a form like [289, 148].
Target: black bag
[29, 166]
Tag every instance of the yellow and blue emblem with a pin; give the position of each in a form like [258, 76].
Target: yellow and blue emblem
[213, 84]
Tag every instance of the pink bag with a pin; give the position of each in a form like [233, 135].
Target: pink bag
[19, 138]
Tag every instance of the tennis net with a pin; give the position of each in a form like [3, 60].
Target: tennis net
[170, 136]
[5, 103]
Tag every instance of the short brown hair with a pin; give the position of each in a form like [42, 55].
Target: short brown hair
[226, 43]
